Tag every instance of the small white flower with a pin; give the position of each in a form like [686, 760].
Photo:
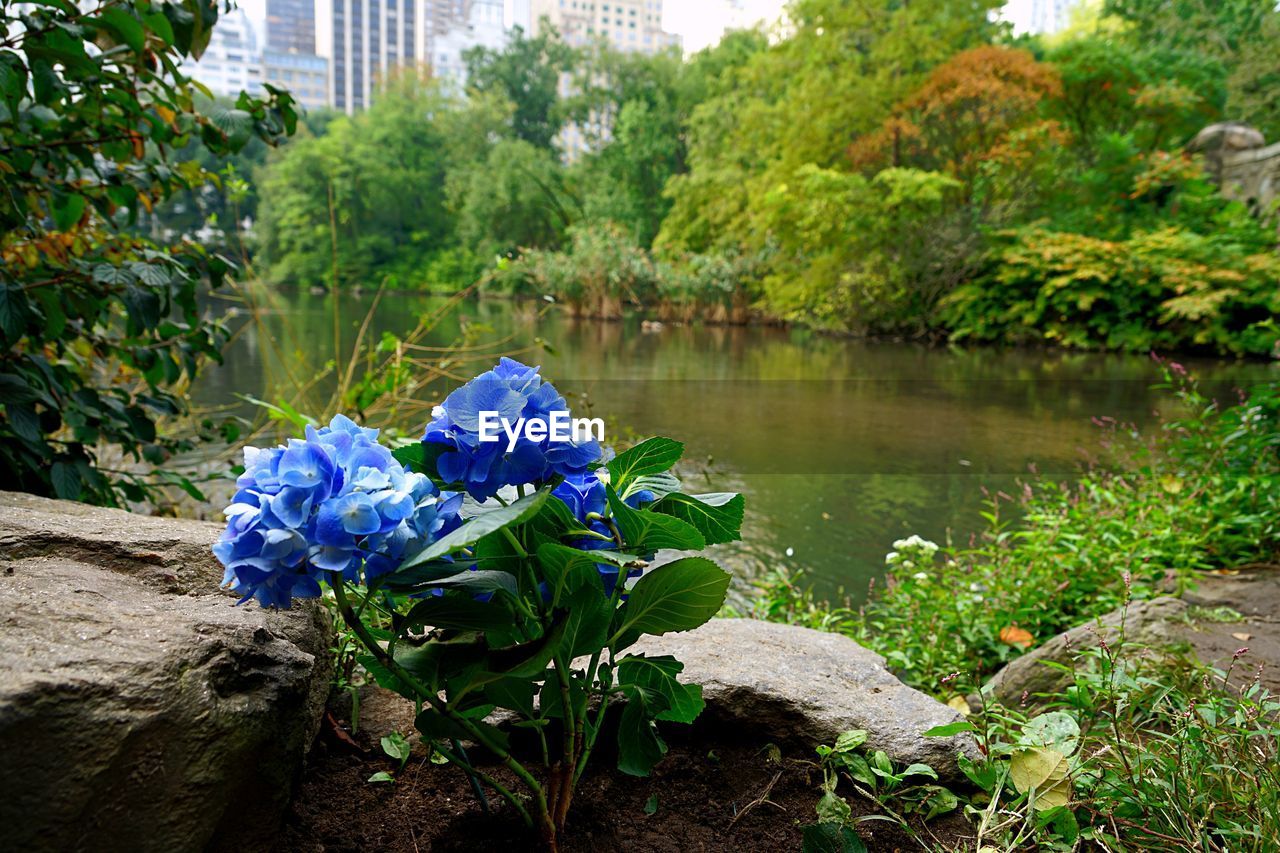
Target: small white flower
[791, 552]
[921, 576]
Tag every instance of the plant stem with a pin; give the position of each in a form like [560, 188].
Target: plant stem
[433, 699]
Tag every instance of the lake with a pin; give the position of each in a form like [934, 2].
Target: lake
[840, 446]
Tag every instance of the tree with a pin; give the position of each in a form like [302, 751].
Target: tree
[969, 106]
[97, 324]
[513, 200]
[527, 73]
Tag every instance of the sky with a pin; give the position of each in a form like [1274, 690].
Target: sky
[699, 22]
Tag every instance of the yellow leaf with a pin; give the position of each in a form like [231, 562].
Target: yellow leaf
[1042, 773]
[959, 703]
[1171, 484]
[1015, 636]
[1243, 637]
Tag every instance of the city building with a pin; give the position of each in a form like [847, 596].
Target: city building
[291, 26]
[305, 75]
[231, 63]
[483, 26]
[1049, 16]
[627, 25]
[363, 41]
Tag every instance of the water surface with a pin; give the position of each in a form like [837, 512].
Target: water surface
[840, 446]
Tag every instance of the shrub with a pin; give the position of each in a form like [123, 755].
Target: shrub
[1164, 289]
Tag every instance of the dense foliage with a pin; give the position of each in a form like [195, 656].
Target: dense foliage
[527, 605]
[98, 324]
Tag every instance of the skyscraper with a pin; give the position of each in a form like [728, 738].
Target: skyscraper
[230, 64]
[291, 26]
[363, 41]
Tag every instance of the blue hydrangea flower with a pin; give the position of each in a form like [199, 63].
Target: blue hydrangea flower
[584, 494]
[335, 501]
[513, 391]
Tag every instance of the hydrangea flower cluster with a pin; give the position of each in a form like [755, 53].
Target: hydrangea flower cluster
[335, 501]
[514, 391]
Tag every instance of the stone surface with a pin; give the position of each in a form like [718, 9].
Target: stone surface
[801, 685]
[1146, 622]
[1227, 136]
[140, 709]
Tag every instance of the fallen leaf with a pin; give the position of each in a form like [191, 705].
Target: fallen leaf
[1043, 774]
[1015, 636]
[959, 703]
[1242, 636]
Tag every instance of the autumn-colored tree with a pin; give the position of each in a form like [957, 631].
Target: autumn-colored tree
[967, 112]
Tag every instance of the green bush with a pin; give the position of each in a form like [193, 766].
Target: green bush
[1165, 289]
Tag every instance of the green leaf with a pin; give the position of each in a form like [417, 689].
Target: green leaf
[382, 776]
[1056, 729]
[646, 530]
[640, 746]
[513, 693]
[830, 838]
[567, 569]
[13, 80]
[950, 729]
[718, 517]
[678, 596]
[651, 805]
[651, 456]
[660, 484]
[125, 27]
[66, 481]
[159, 24]
[480, 526]
[411, 456]
[457, 612]
[588, 623]
[236, 124]
[477, 581]
[658, 674]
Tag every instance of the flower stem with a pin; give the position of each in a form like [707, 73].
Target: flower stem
[433, 699]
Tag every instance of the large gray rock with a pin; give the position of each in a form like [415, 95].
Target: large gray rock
[140, 709]
[807, 686]
[1147, 623]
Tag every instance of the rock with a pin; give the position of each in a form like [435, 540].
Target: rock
[1227, 136]
[1153, 622]
[800, 685]
[140, 709]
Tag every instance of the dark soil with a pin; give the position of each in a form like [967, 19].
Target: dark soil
[714, 791]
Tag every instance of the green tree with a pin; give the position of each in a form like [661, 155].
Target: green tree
[527, 73]
[97, 324]
[514, 199]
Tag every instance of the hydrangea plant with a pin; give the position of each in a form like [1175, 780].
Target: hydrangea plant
[525, 599]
